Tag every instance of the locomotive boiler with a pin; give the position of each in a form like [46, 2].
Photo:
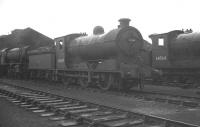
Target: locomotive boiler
[17, 61]
[185, 50]
[125, 40]
[17, 55]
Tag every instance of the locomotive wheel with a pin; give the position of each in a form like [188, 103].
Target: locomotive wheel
[127, 86]
[107, 83]
[84, 82]
[65, 81]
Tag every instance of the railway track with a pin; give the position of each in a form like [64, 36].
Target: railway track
[180, 100]
[70, 112]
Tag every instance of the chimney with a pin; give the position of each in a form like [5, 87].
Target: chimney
[124, 22]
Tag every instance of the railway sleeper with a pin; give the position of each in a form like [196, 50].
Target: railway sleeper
[190, 104]
[66, 105]
[124, 123]
[158, 99]
[76, 115]
[70, 122]
[96, 113]
[174, 101]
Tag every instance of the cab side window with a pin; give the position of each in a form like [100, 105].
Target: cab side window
[160, 41]
[60, 44]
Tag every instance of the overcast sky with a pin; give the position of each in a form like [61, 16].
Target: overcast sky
[55, 18]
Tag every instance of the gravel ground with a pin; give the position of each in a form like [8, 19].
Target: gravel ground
[170, 111]
[14, 116]
[172, 90]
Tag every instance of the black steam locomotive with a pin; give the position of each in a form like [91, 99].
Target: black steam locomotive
[13, 56]
[118, 59]
[177, 54]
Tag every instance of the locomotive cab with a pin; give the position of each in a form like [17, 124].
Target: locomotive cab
[160, 52]
[3, 55]
[3, 62]
[60, 44]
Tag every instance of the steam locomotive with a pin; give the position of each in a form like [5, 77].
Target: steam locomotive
[177, 54]
[14, 60]
[118, 59]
